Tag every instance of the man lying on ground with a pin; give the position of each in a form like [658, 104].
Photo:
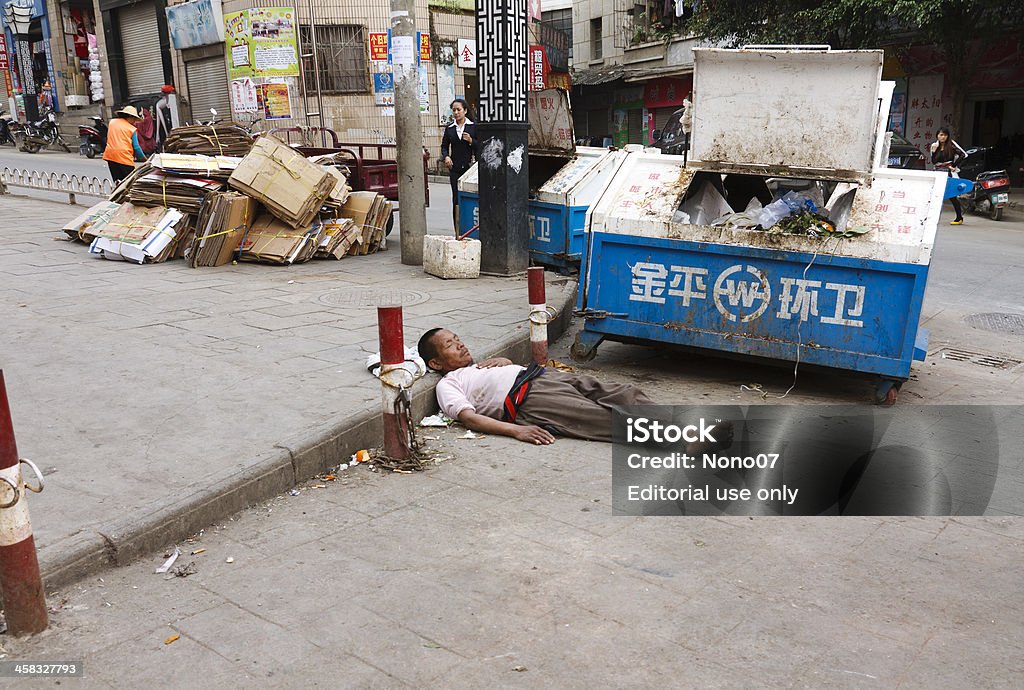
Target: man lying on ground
[532, 404]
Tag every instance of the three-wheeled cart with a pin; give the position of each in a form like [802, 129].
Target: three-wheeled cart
[850, 303]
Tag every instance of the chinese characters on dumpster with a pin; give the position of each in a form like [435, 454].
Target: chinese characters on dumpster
[743, 293]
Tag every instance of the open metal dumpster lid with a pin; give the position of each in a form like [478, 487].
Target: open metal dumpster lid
[789, 113]
[900, 210]
[571, 174]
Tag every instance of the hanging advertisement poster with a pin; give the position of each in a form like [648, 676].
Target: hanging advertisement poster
[925, 110]
[384, 87]
[243, 96]
[262, 42]
[237, 37]
[537, 67]
[274, 49]
[445, 93]
[424, 42]
[276, 105]
[195, 23]
[4, 60]
[378, 46]
[424, 89]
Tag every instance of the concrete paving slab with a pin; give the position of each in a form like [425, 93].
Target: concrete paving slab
[136, 382]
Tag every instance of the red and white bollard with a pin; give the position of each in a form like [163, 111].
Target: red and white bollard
[23, 598]
[539, 315]
[392, 356]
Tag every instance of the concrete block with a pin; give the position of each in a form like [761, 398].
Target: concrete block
[447, 257]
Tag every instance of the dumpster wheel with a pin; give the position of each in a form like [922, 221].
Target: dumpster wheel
[886, 392]
[584, 348]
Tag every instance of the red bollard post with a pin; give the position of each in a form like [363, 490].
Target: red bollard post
[538, 315]
[392, 355]
[23, 597]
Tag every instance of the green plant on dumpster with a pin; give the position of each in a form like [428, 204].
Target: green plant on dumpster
[812, 225]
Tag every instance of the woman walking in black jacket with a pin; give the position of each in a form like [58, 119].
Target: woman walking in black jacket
[458, 149]
[946, 153]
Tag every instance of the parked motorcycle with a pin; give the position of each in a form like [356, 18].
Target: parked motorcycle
[43, 132]
[93, 138]
[991, 190]
[8, 126]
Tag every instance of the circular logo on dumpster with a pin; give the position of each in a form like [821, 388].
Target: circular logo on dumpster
[742, 293]
[373, 297]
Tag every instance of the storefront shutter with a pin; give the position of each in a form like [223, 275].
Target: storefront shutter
[140, 39]
[635, 124]
[208, 88]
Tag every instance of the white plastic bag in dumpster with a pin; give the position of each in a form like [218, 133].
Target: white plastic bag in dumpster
[799, 113]
[900, 211]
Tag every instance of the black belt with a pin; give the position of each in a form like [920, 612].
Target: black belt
[520, 389]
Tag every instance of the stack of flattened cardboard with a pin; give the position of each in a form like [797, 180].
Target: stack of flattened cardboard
[207, 167]
[271, 241]
[183, 193]
[139, 234]
[123, 189]
[222, 224]
[291, 187]
[96, 217]
[370, 212]
[220, 139]
[337, 236]
[339, 195]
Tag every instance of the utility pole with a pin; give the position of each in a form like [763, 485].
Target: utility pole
[412, 200]
[504, 134]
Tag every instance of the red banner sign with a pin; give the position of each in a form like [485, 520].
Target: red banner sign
[379, 46]
[5, 63]
[424, 46]
[537, 68]
[666, 92]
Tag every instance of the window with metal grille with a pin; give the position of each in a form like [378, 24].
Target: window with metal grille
[596, 39]
[341, 57]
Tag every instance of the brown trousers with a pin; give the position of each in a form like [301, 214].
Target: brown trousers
[577, 405]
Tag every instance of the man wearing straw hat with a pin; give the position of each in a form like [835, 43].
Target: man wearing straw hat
[123, 144]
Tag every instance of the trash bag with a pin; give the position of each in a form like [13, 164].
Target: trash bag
[706, 205]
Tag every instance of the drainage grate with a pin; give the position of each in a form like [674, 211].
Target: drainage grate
[981, 359]
[997, 323]
[373, 297]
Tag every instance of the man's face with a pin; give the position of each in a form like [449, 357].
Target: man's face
[451, 353]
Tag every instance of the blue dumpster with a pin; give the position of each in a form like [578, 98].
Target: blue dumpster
[557, 214]
[851, 303]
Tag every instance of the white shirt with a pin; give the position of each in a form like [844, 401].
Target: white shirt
[482, 391]
[459, 129]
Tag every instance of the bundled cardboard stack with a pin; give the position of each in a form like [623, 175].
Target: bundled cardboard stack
[183, 193]
[138, 234]
[339, 195]
[220, 139]
[337, 236]
[221, 226]
[208, 167]
[81, 228]
[122, 191]
[371, 212]
[271, 241]
[291, 187]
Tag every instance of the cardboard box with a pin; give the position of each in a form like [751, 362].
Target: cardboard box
[291, 187]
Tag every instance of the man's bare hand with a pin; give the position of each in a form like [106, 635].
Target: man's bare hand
[494, 362]
[534, 435]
